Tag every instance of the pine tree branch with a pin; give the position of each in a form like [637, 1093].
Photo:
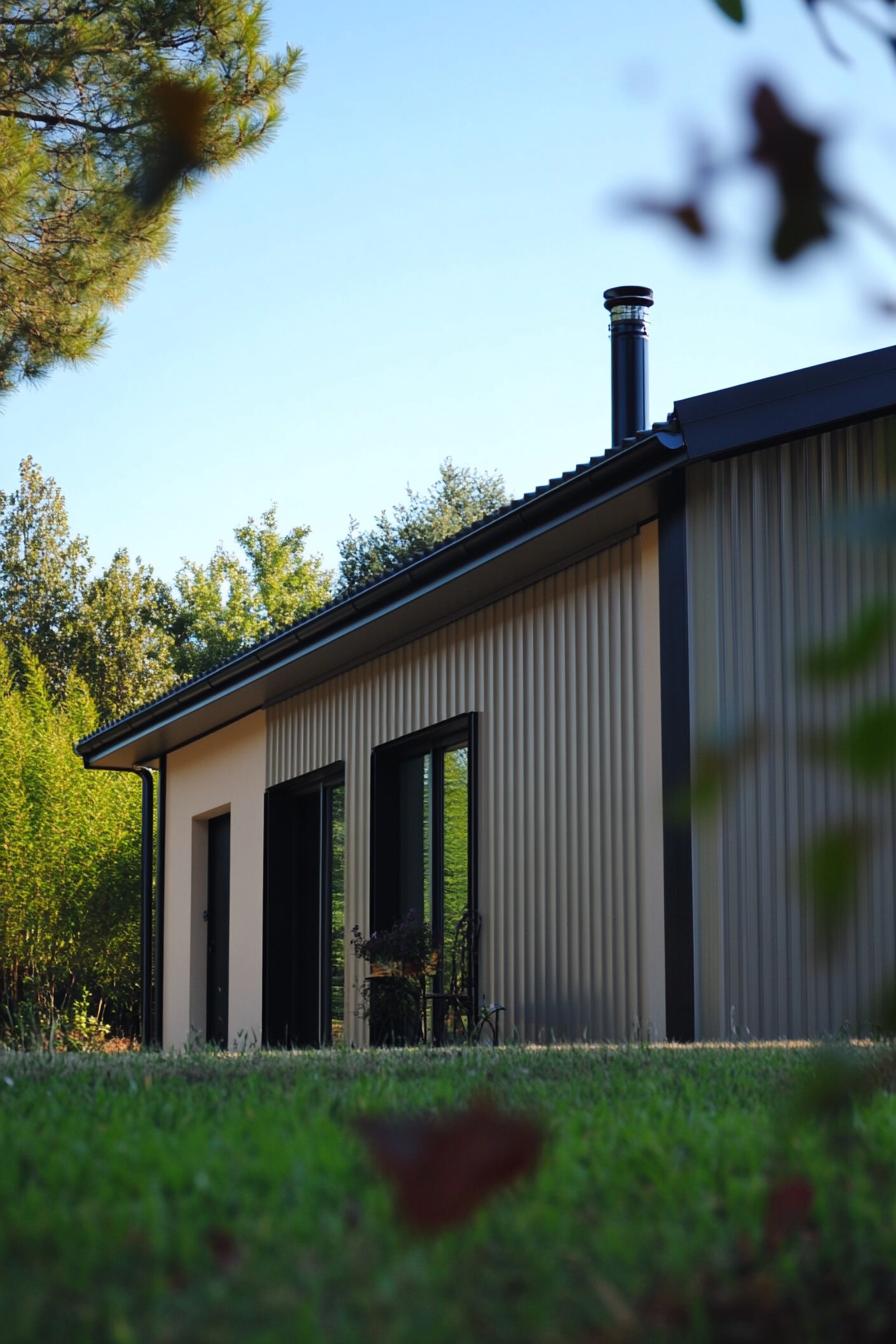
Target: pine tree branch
[58, 119]
[47, 20]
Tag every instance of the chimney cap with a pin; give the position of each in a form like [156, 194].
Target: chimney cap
[635, 296]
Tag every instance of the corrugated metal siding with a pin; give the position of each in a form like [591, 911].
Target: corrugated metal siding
[569, 889]
[769, 577]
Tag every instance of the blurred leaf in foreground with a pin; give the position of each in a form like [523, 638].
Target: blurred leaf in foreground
[830, 867]
[867, 745]
[732, 9]
[686, 213]
[718, 761]
[862, 642]
[441, 1168]
[180, 114]
[884, 1012]
[872, 523]
[839, 1080]
[791, 153]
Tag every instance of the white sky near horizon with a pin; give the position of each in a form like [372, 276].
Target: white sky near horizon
[413, 268]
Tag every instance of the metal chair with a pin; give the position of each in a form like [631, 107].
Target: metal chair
[453, 1007]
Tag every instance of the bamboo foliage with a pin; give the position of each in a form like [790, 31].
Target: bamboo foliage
[69, 860]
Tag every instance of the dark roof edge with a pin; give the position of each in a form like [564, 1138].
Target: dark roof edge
[716, 424]
[770, 410]
[600, 477]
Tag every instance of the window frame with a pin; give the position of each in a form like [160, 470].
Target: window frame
[384, 902]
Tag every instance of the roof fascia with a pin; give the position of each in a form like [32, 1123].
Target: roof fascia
[637, 466]
[770, 410]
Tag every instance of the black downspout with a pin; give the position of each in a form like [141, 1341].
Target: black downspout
[146, 906]
[160, 903]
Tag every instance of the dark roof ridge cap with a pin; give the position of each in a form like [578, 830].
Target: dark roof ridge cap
[788, 406]
[817, 373]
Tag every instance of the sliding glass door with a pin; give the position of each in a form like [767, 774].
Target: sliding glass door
[304, 934]
[432, 823]
[423, 838]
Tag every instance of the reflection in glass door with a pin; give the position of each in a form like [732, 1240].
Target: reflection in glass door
[455, 836]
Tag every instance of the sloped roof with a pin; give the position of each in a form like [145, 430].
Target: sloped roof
[716, 424]
[415, 569]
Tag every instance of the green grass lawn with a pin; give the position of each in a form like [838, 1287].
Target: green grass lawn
[194, 1198]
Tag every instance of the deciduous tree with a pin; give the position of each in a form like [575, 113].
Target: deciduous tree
[124, 649]
[43, 572]
[460, 496]
[235, 600]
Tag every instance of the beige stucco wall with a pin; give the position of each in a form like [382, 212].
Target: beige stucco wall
[224, 772]
[564, 675]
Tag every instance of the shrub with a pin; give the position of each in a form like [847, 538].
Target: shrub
[393, 996]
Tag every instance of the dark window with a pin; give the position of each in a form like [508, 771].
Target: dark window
[304, 936]
[424, 830]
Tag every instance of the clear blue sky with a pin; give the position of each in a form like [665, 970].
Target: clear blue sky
[414, 268]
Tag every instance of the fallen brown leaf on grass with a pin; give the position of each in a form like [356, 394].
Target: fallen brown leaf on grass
[223, 1246]
[788, 1209]
[441, 1168]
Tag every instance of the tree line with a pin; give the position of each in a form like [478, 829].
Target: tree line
[130, 636]
[80, 646]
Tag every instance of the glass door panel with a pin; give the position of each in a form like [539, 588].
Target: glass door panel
[456, 832]
[304, 956]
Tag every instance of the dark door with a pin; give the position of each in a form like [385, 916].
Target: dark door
[304, 936]
[218, 929]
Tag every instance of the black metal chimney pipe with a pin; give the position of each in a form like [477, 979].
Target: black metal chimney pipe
[627, 306]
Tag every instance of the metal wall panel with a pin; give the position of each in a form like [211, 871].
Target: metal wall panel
[771, 575]
[564, 675]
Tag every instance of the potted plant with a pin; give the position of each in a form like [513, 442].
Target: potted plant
[401, 959]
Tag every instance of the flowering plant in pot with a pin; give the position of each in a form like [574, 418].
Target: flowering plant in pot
[401, 959]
